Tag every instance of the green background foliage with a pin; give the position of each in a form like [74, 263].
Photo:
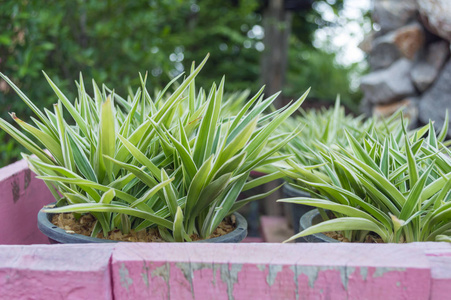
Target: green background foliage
[111, 41]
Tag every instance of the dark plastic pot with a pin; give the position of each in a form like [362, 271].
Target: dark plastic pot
[296, 210]
[311, 218]
[58, 235]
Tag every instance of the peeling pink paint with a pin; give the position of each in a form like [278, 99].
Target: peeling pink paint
[251, 283]
[327, 284]
[22, 196]
[389, 284]
[207, 283]
[220, 271]
[283, 286]
[55, 272]
[296, 271]
[179, 285]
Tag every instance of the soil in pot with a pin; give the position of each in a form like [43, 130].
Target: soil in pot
[339, 237]
[85, 224]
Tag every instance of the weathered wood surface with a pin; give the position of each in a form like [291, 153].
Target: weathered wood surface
[22, 195]
[226, 271]
[275, 271]
[55, 272]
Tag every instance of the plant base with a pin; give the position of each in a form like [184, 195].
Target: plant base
[60, 235]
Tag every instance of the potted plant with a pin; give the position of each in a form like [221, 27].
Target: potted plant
[388, 189]
[322, 129]
[173, 165]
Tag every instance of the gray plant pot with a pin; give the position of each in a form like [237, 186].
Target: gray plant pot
[309, 219]
[295, 210]
[58, 235]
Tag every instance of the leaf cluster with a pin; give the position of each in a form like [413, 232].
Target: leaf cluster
[396, 186]
[177, 161]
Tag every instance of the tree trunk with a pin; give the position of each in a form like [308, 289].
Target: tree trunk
[277, 26]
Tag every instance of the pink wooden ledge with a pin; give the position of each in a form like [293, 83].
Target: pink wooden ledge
[22, 195]
[202, 271]
[227, 271]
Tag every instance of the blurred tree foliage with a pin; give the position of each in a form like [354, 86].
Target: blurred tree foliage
[111, 41]
[319, 70]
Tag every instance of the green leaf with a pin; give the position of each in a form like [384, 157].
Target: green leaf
[141, 157]
[239, 204]
[243, 110]
[254, 113]
[411, 163]
[340, 224]
[384, 164]
[206, 129]
[434, 187]
[83, 183]
[30, 104]
[177, 230]
[432, 140]
[25, 141]
[262, 180]
[361, 153]
[125, 224]
[47, 140]
[186, 158]
[81, 161]
[166, 108]
[210, 193]
[169, 195]
[232, 165]
[192, 92]
[444, 130]
[150, 193]
[70, 108]
[108, 196]
[378, 180]
[113, 208]
[443, 238]
[234, 146]
[197, 185]
[107, 135]
[143, 176]
[223, 205]
[327, 204]
[267, 130]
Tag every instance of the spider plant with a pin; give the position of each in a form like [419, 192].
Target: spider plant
[327, 128]
[175, 162]
[397, 187]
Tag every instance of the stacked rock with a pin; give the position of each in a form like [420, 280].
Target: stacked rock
[410, 60]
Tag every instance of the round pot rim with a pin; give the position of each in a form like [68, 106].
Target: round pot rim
[291, 191]
[306, 222]
[61, 236]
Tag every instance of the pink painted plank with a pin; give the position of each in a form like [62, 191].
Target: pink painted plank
[55, 272]
[439, 257]
[22, 195]
[270, 271]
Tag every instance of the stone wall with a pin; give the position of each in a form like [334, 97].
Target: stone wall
[410, 60]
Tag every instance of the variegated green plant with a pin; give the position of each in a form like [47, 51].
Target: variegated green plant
[177, 162]
[396, 187]
[325, 128]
